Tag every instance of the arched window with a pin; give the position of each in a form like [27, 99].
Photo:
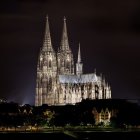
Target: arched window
[50, 84]
[50, 63]
[67, 64]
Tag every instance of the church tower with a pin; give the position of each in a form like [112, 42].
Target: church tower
[46, 71]
[79, 65]
[64, 56]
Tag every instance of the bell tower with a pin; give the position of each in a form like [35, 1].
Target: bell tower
[64, 56]
[46, 70]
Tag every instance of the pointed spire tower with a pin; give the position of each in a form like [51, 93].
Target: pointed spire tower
[65, 56]
[79, 55]
[64, 40]
[46, 70]
[47, 45]
[79, 65]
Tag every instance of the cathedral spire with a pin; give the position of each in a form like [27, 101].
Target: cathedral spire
[64, 40]
[79, 65]
[79, 55]
[47, 45]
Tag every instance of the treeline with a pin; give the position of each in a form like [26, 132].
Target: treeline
[14, 115]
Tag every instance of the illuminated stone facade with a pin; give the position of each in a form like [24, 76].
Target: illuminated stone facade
[57, 82]
[103, 115]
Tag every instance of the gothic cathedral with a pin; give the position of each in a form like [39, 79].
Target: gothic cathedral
[57, 82]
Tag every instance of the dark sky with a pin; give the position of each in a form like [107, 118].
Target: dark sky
[108, 30]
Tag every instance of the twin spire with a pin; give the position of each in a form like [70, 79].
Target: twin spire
[47, 45]
[64, 45]
[64, 40]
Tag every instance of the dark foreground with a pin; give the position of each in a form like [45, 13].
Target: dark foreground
[70, 135]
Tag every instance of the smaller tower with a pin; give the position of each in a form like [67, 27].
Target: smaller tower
[79, 65]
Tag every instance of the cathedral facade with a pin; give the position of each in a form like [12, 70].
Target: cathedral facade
[58, 82]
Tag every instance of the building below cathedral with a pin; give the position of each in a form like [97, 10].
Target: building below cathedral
[58, 83]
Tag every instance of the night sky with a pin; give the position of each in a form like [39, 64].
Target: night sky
[108, 31]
